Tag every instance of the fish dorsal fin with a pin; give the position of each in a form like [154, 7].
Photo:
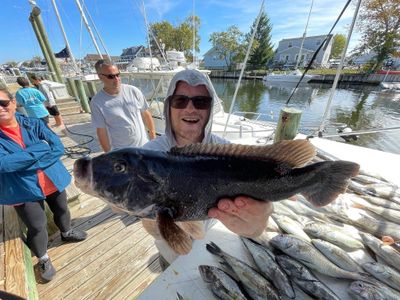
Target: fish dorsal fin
[294, 153]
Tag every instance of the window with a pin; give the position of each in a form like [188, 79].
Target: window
[290, 45]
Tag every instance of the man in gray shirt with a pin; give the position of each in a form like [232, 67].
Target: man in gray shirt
[119, 111]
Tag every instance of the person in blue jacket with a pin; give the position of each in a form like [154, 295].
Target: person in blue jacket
[30, 173]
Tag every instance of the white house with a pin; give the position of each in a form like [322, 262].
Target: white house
[288, 51]
[212, 60]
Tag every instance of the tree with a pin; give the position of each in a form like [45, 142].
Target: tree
[379, 22]
[262, 50]
[228, 45]
[178, 38]
[339, 40]
[11, 64]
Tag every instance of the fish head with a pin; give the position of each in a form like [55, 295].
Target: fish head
[283, 242]
[291, 267]
[207, 273]
[364, 290]
[118, 177]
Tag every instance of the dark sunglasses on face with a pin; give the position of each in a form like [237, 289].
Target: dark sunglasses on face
[181, 101]
[111, 76]
[5, 103]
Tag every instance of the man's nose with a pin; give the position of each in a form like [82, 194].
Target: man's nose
[190, 106]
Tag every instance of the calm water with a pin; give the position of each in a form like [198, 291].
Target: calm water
[359, 107]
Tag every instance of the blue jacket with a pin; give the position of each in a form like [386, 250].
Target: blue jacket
[18, 166]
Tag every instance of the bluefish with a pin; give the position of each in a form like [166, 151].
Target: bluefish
[184, 183]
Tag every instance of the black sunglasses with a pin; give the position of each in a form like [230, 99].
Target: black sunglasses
[111, 76]
[5, 103]
[181, 101]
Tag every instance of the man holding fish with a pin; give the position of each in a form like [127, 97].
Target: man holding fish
[188, 111]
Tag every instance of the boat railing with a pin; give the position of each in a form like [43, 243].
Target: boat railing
[257, 116]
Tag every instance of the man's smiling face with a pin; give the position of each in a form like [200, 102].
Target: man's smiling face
[188, 123]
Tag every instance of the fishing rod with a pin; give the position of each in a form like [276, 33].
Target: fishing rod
[317, 51]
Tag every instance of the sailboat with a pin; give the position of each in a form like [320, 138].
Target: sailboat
[295, 75]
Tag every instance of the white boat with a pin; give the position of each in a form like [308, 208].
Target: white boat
[293, 76]
[390, 85]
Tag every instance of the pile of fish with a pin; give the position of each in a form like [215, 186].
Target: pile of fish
[306, 251]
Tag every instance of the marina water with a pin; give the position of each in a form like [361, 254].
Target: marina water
[356, 106]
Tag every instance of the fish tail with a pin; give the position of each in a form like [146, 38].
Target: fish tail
[214, 249]
[332, 179]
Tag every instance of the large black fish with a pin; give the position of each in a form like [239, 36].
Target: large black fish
[184, 183]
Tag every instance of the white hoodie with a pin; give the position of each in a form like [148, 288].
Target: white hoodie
[167, 141]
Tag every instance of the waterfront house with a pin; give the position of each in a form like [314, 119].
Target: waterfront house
[213, 60]
[288, 51]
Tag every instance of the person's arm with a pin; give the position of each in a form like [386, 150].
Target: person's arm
[149, 123]
[243, 215]
[103, 139]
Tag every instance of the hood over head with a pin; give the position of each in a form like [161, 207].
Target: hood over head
[193, 78]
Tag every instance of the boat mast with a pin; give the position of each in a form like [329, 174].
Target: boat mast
[88, 28]
[338, 71]
[148, 36]
[244, 66]
[304, 36]
[194, 36]
[65, 36]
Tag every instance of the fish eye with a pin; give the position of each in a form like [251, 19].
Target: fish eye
[120, 167]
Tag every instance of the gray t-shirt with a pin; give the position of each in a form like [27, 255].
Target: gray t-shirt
[121, 116]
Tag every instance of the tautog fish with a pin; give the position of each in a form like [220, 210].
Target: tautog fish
[184, 183]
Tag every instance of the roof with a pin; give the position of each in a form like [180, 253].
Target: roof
[307, 37]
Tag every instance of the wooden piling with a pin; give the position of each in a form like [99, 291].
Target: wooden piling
[288, 124]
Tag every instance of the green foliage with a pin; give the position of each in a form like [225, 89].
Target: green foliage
[228, 45]
[12, 64]
[379, 22]
[262, 50]
[178, 37]
[339, 41]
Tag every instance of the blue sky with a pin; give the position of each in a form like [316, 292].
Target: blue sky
[121, 22]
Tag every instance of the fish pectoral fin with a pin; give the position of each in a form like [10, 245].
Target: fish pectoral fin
[194, 228]
[176, 238]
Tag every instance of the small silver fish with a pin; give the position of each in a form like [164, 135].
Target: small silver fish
[300, 275]
[336, 255]
[312, 258]
[290, 226]
[384, 273]
[388, 253]
[265, 261]
[254, 283]
[369, 291]
[332, 234]
[221, 284]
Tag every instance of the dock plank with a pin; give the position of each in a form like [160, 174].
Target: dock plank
[140, 282]
[2, 253]
[87, 276]
[116, 275]
[15, 278]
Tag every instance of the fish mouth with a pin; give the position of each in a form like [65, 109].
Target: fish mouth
[83, 174]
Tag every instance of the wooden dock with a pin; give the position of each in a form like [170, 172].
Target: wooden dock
[118, 260]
